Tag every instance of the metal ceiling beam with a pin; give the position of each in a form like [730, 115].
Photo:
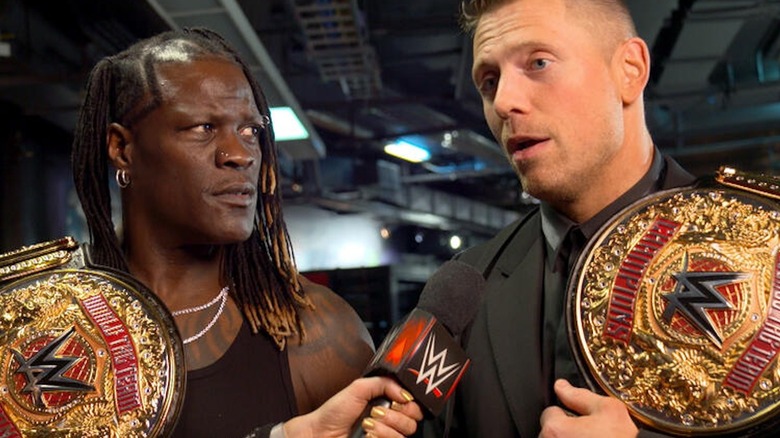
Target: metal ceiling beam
[336, 42]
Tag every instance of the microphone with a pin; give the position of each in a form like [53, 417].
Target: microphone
[422, 352]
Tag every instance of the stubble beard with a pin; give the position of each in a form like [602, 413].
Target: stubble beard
[553, 190]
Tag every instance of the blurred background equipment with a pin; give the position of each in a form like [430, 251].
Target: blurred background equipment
[355, 76]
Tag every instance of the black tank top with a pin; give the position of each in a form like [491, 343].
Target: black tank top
[247, 387]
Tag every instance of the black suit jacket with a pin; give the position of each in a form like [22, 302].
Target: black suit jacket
[503, 394]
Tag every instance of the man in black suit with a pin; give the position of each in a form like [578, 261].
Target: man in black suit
[562, 86]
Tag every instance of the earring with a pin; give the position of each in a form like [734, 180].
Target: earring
[122, 179]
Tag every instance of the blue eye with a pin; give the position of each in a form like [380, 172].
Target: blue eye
[539, 64]
[487, 86]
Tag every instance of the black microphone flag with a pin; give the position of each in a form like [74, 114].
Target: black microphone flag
[423, 356]
[423, 352]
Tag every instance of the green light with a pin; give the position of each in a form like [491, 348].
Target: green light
[286, 125]
[407, 151]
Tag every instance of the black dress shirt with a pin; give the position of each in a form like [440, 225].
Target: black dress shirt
[564, 242]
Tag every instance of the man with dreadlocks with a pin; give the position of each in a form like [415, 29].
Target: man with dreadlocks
[186, 128]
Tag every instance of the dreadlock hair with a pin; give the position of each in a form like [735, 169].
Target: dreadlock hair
[123, 89]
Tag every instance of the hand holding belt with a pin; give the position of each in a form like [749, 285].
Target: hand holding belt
[674, 308]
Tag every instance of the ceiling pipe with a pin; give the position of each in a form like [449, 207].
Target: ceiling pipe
[457, 175]
[667, 38]
[724, 146]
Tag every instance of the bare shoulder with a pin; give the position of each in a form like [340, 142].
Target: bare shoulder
[334, 351]
[331, 315]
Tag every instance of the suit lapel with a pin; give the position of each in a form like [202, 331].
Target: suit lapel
[675, 176]
[513, 313]
[512, 263]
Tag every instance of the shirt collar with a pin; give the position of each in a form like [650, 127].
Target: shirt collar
[555, 226]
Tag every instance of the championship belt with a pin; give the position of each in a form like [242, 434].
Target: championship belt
[674, 308]
[83, 351]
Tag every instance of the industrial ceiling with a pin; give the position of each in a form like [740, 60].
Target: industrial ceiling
[363, 73]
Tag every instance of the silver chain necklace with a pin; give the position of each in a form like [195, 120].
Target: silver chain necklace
[221, 295]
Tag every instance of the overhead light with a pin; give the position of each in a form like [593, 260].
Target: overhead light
[286, 124]
[455, 241]
[426, 219]
[407, 151]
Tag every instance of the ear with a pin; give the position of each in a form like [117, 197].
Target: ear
[119, 145]
[632, 62]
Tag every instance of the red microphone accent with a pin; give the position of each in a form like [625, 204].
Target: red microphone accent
[425, 359]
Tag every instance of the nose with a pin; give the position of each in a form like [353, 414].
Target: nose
[509, 98]
[233, 152]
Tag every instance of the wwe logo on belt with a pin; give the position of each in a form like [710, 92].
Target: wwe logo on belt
[433, 370]
[695, 293]
[45, 371]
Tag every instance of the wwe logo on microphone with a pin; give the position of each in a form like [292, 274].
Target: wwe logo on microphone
[410, 354]
[434, 370]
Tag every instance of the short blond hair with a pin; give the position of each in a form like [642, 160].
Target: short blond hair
[472, 10]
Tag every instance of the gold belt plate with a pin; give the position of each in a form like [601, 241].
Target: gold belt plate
[674, 308]
[85, 353]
